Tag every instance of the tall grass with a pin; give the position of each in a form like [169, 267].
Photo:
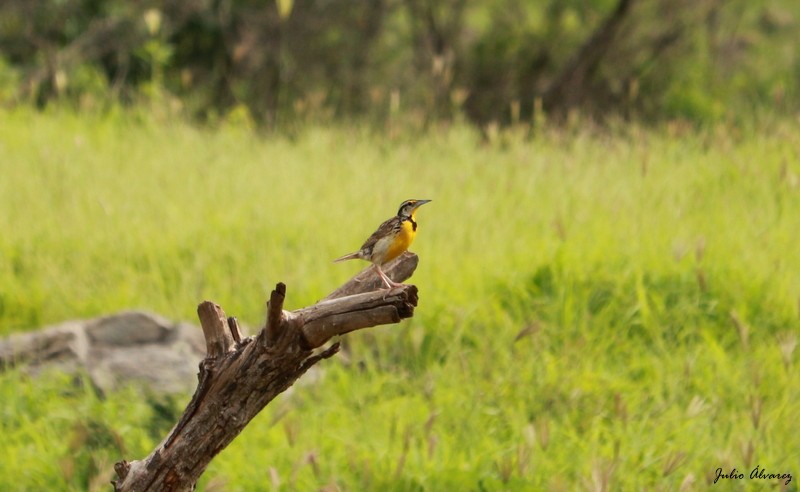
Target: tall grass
[612, 309]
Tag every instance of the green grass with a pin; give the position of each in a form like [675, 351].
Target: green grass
[575, 324]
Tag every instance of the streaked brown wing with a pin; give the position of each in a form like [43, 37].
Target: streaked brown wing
[383, 230]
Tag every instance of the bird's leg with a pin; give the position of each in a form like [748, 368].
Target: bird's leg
[386, 281]
[389, 283]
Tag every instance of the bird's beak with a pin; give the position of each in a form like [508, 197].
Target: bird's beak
[420, 203]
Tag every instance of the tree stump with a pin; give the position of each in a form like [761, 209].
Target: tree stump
[241, 375]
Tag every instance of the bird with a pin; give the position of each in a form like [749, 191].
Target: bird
[389, 241]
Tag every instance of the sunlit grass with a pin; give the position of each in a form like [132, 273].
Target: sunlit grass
[594, 306]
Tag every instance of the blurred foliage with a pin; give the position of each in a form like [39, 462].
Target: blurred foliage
[493, 60]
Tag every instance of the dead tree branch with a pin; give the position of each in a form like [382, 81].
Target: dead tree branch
[398, 270]
[572, 84]
[240, 376]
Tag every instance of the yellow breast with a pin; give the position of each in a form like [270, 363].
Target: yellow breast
[401, 242]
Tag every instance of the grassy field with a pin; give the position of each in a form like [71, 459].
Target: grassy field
[601, 311]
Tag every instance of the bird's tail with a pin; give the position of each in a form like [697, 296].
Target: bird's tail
[351, 256]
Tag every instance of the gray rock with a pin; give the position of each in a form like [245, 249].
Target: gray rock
[131, 347]
[128, 328]
[63, 342]
[160, 368]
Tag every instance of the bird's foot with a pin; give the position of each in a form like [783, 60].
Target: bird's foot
[387, 282]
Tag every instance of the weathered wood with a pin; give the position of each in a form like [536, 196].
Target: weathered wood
[237, 380]
[215, 328]
[274, 314]
[399, 270]
[236, 331]
[328, 319]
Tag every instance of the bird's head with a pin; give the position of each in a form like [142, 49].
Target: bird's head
[409, 207]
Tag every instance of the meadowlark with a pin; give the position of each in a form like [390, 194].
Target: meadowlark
[390, 240]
